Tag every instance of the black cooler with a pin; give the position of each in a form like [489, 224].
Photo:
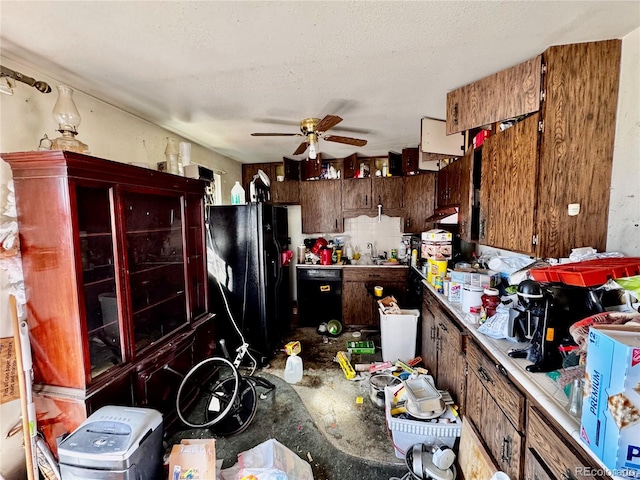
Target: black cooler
[115, 443]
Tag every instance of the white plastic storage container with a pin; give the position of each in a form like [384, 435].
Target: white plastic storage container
[398, 333]
[406, 433]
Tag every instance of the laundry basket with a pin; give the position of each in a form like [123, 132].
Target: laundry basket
[398, 333]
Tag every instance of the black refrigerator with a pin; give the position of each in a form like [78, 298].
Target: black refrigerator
[245, 245]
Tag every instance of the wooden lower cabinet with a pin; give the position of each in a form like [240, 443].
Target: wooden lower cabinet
[429, 340]
[359, 307]
[504, 442]
[549, 456]
[534, 468]
[452, 364]
[442, 349]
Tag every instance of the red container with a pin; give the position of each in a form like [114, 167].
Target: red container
[325, 256]
[590, 272]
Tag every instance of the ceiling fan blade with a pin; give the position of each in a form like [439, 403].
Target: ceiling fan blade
[348, 140]
[275, 134]
[327, 122]
[301, 148]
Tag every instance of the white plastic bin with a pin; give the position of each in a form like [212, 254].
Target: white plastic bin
[398, 332]
[405, 433]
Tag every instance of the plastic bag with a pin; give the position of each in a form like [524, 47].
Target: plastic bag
[499, 325]
[271, 460]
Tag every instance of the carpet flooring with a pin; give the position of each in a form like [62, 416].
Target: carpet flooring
[320, 418]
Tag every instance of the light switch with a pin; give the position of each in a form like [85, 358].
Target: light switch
[574, 209]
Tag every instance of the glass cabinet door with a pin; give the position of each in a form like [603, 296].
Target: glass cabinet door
[154, 237]
[98, 275]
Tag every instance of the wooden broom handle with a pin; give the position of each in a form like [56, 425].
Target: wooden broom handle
[26, 431]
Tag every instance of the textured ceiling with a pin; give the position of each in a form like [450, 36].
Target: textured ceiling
[215, 72]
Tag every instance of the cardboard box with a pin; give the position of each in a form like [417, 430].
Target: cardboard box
[610, 422]
[436, 250]
[437, 235]
[193, 459]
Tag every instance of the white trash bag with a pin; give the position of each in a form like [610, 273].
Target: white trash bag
[269, 460]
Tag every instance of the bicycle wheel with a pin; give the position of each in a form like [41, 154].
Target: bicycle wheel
[242, 413]
[207, 392]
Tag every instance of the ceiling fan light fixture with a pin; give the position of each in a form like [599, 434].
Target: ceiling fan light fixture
[313, 146]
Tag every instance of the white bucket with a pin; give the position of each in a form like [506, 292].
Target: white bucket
[398, 332]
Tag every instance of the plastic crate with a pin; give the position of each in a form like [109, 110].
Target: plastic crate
[589, 273]
[406, 433]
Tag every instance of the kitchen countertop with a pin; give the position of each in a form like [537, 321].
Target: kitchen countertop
[336, 265]
[546, 392]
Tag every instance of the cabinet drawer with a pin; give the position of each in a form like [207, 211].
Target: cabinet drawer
[495, 379]
[366, 274]
[534, 468]
[504, 442]
[559, 458]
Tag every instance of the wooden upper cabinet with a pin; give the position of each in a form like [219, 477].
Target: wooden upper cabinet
[410, 160]
[509, 93]
[356, 194]
[508, 189]
[249, 170]
[321, 206]
[576, 149]
[449, 184]
[388, 192]
[419, 193]
[545, 182]
[466, 210]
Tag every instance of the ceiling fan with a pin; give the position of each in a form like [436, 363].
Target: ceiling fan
[313, 129]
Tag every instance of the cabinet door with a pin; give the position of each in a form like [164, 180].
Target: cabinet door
[509, 93]
[356, 194]
[555, 453]
[388, 192]
[357, 304]
[452, 364]
[502, 439]
[429, 340]
[249, 170]
[286, 192]
[442, 185]
[159, 376]
[197, 259]
[321, 206]
[466, 211]
[101, 299]
[156, 263]
[419, 201]
[576, 148]
[509, 187]
[534, 469]
[410, 160]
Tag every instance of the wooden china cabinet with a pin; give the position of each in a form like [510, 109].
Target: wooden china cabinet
[115, 275]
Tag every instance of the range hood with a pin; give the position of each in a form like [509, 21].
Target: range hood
[445, 215]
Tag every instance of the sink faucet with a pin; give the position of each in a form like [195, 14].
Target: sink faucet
[372, 250]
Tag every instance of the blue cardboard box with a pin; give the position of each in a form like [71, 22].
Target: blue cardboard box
[610, 423]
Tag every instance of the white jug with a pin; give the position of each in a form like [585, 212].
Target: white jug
[293, 369]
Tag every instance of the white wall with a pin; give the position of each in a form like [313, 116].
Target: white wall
[624, 207]
[110, 133]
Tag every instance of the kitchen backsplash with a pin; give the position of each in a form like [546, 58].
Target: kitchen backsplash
[385, 234]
